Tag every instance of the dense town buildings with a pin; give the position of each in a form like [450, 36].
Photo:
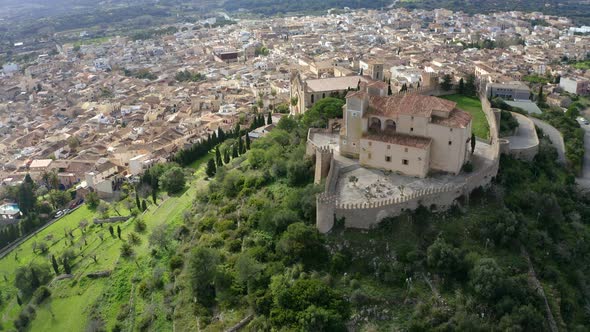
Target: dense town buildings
[102, 112]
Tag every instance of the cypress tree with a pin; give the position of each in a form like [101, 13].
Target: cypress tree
[18, 300]
[111, 230]
[154, 195]
[67, 267]
[240, 145]
[269, 119]
[35, 282]
[226, 156]
[137, 202]
[247, 141]
[461, 88]
[237, 130]
[211, 169]
[472, 143]
[143, 205]
[119, 232]
[234, 151]
[55, 265]
[218, 160]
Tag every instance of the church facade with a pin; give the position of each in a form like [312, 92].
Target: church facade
[407, 133]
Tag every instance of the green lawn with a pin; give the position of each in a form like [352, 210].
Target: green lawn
[74, 301]
[480, 126]
[203, 160]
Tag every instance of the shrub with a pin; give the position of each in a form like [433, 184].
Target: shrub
[176, 262]
[139, 226]
[134, 239]
[126, 250]
[25, 317]
[41, 294]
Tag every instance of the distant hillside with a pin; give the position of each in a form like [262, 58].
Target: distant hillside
[578, 10]
[272, 7]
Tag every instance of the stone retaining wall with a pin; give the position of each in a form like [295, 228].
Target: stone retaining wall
[367, 215]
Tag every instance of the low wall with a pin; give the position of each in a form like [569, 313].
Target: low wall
[110, 220]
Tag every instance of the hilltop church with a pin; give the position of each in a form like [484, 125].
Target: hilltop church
[407, 133]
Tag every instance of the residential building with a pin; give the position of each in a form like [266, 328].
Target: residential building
[309, 92]
[509, 91]
[575, 85]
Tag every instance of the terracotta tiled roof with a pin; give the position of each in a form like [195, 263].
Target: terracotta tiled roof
[457, 119]
[400, 139]
[412, 104]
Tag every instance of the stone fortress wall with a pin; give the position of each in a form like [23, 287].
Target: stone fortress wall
[368, 215]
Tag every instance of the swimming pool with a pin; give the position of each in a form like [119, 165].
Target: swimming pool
[9, 208]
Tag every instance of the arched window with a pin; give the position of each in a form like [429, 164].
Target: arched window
[323, 95]
[390, 125]
[312, 99]
[375, 124]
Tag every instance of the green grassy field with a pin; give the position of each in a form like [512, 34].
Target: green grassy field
[75, 301]
[203, 160]
[472, 105]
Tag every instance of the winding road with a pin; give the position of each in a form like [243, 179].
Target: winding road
[554, 136]
[557, 141]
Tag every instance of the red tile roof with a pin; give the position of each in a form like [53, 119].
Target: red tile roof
[411, 104]
[400, 139]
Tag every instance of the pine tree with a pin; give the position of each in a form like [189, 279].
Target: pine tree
[218, 160]
[226, 157]
[26, 195]
[119, 232]
[247, 141]
[55, 265]
[269, 119]
[211, 169]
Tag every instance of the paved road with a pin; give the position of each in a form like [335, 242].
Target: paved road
[526, 136]
[554, 136]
